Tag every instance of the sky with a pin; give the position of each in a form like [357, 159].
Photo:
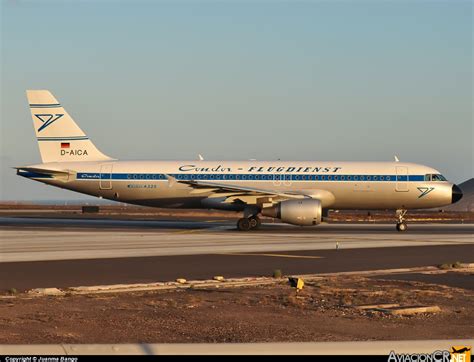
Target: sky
[235, 80]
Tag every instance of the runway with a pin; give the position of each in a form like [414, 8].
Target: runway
[43, 239]
[39, 253]
[116, 223]
[67, 273]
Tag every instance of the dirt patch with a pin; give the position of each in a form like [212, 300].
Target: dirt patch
[323, 311]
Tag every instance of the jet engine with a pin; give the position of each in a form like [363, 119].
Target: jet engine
[303, 212]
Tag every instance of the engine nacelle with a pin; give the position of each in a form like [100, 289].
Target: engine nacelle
[297, 212]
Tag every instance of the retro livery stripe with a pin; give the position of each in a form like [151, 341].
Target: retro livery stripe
[57, 105]
[75, 138]
[247, 177]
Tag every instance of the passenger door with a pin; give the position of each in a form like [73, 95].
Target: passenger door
[106, 176]
[401, 184]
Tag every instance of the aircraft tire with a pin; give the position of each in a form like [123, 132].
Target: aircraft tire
[243, 224]
[255, 222]
[401, 226]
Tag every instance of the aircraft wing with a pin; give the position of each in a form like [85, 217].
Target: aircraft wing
[252, 195]
[235, 190]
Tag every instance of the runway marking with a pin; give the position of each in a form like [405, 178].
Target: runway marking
[187, 231]
[276, 255]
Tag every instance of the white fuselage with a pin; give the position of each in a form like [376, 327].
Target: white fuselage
[339, 185]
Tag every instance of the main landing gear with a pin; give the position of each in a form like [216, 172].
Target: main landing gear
[401, 225]
[249, 223]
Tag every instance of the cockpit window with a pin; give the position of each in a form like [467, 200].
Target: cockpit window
[438, 177]
[435, 177]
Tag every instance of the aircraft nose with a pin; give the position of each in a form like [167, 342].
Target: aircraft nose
[457, 194]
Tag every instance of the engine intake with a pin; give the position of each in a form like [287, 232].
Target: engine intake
[303, 212]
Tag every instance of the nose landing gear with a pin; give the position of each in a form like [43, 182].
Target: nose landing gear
[401, 225]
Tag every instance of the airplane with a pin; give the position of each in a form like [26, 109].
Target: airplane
[296, 192]
[460, 350]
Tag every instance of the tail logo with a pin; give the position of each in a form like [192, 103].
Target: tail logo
[47, 119]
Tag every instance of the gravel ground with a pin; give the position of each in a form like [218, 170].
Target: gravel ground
[322, 311]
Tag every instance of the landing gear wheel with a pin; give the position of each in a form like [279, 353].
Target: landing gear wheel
[255, 222]
[243, 224]
[401, 226]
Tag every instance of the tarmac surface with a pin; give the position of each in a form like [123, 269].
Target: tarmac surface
[29, 239]
[65, 253]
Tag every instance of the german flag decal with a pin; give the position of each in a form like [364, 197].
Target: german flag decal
[64, 145]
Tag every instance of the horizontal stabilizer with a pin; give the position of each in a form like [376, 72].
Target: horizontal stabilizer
[41, 173]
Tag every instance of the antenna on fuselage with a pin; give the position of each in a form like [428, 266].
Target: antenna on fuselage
[396, 158]
[200, 157]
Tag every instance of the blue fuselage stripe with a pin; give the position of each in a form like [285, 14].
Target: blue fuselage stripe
[247, 177]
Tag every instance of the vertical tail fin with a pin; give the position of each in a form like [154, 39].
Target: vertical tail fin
[59, 138]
